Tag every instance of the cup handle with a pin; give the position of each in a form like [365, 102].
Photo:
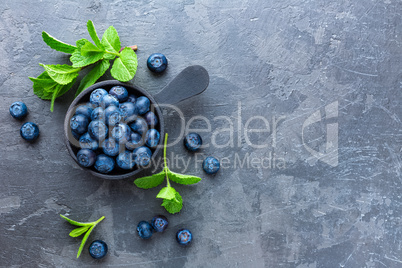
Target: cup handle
[192, 81]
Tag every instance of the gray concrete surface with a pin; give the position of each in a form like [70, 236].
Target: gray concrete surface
[324, 80]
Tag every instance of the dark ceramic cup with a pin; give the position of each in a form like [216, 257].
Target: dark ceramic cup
[190, 82]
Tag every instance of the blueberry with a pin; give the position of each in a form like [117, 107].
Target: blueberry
[159, 223]
[110, 147]
[192, 141]
[142, 156]
[87, 142]
[97, 96]
[98, 249]
[152, 138]
[104, 163]
[79, 123]
[125, 160]
[29, 131]
[121, 133]
[184, 237]
[211, 165]
[86, 157]
[109, 100]
[112, 115]
[98, 114]
[98, 130]
[140, 126]
[84, 109]
[142, 105]
[132, 98]
[144, 230]
[151, 118]
[119, 92]
[135, 141]
[157, 62]
[18, 110]
[128, 110]
[76, 135]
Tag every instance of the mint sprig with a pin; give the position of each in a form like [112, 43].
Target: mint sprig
[172, 200]
[85, 227]
[58, 79]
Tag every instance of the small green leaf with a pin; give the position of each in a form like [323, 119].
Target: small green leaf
[150, 181]
[183, 179]
[62, 74]
[89, 49]
[93, 34]
[174, 205]
[97, 71]
[167, 193]
[57, 44]
[125, 67]
[76, 222]
[79, 60]
[79, 231]
[84, 240]
[111, 40]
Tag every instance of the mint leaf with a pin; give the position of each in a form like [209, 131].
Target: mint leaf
[98, 70]
[125, 67]
[76, 222]
[58, 91]
[62, 74]
[183, 179]
[79, 60]
[88, 49]
[92, 33]
[79, 231]
[57, 44]
[167, 193]
[111, 40]
[173, 205]
[150, 181]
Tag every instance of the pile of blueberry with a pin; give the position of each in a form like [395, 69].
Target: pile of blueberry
[115, 130]
[29, 131]
[159, 224]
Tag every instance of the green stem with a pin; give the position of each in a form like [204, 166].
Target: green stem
[98, 221]
[164, 161]
[113, 53]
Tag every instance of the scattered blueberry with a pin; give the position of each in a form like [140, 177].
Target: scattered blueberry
[79, 123]
[18, 110]
[142, 156]
[144, 230]
[159, 223]
[109, 100]
[112, 115]
[132, 98]
[98, 130]
[135, 141]
[104, 163]
[98, 114]
[121, 133]
[120, 93]
[152, 138]
[140, 126]
[98, 249]
[97, 96]
[128, 110]
[29, 131]
[184, 237]
[110, 147]
[211, 165]
[86, 157]
[142, 105]
[125, 160]
[157, 62]
[192, 141]
[151, 118]
[84, 109]
[87, 142]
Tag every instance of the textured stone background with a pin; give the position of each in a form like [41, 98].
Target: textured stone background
[275, 59]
